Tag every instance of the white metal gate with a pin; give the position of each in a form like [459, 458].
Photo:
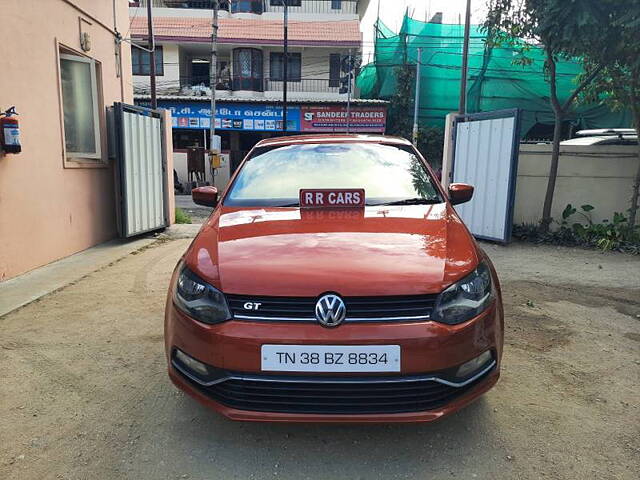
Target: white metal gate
[485, 155]
[142, 169]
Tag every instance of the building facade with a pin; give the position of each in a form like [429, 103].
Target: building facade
[61, 67]
[249, 88]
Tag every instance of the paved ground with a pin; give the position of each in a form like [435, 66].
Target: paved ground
[25, 288]
[84, 393]
[197, 213]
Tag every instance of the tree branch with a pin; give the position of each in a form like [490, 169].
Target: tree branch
[586, 81]
[635, 108]
[553, 93]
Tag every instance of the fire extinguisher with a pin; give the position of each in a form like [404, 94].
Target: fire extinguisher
[9, 131]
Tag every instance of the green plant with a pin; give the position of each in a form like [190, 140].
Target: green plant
[400, 121]
[182, 216]
[616, 234]
[431, 144]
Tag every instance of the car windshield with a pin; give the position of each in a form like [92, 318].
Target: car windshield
[388, 175]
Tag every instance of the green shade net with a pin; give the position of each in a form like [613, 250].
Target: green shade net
[494, 81]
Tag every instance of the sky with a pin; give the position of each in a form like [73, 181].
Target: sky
[392, 12]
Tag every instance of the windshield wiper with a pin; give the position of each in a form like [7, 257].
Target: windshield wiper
[405, 201]
[410, 201]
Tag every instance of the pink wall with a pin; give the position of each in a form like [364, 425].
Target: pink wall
[48, 211]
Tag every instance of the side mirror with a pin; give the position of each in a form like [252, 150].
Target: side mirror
[460, 193]
[206, 196]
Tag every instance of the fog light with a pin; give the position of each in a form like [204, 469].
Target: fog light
[191, 363]
[473, 366]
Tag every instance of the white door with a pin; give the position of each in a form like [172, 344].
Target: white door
[485, 156]
[142, 176]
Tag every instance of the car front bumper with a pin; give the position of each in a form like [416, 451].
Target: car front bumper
[427, 348]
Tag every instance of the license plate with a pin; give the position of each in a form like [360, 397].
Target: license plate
[331, 358]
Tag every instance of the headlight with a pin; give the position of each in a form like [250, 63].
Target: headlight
[198, 299]
[465, 299]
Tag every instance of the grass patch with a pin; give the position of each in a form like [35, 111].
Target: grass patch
[182, 216]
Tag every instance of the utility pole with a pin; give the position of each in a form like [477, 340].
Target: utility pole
[285, 66]
[465, 60]
[213, 73]
[416, 102]
[350, 63]
[152, 56]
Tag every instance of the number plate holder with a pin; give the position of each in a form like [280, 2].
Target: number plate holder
[330, 358]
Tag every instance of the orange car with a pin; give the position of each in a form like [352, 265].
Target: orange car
[334, 282]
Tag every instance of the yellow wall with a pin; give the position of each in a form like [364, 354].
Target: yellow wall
[601, 176]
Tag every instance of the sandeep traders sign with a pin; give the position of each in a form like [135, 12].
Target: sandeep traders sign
[333, 118]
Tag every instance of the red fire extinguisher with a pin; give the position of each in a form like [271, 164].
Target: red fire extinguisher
[9, 131]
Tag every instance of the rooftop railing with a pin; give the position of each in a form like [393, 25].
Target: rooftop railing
[198, 85]
[258, 6]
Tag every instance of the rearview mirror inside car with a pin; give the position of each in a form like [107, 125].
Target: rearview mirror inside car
[206, 196]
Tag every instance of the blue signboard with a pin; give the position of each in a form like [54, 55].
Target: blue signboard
[232, 116]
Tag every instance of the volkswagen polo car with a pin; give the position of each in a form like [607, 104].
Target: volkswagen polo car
[334, 282]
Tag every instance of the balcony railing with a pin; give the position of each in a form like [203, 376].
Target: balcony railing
[258, 6]
[312, 6]
[303, 85]
[196, 4]
[198, 85]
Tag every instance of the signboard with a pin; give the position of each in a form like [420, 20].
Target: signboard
[332, 197]
[232, 116]
[333, 118]
[260, 117]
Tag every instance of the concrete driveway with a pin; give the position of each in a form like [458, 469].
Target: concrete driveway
[85, 394]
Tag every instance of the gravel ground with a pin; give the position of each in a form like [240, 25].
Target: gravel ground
[85, 394]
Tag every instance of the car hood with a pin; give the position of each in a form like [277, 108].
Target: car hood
[389, 250]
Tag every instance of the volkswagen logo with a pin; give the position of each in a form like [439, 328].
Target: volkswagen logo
[330, 310]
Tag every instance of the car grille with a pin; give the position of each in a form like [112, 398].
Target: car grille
[384, 308]
[333, 395]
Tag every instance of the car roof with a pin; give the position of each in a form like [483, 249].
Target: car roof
[331, 138]
[598, 140]
[605, 131]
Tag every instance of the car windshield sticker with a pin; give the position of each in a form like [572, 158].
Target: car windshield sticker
[332, 197]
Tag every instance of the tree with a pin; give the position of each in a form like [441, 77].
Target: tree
[401, 103]
[561, 28]
[400, 121]
[619, 83]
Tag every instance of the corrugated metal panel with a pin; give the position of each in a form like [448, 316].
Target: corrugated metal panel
[484, 158]
[311, 98]
[143, 180]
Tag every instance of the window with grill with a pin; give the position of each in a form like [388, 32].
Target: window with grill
[247, 69]
[334, 69]
[141, 63]
[291, 3]
[336, 4]
[276, 67]
[246, 6]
